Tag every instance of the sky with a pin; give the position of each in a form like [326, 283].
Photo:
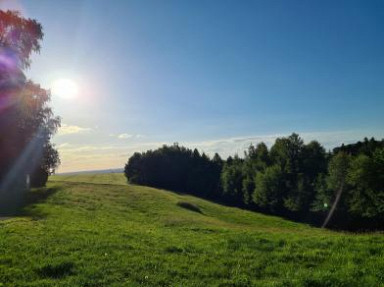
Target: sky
[216, 75]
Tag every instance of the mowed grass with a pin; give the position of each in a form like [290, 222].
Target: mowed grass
[95, 230]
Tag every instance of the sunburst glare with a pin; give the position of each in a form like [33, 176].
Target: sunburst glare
[65, 88]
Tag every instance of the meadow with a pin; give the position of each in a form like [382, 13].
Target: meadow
[96, 230]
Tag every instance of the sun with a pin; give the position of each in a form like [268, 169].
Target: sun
[65, 88]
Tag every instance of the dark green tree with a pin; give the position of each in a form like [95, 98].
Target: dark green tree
[287, 154]
[269, 188]
[27, 122]
[232, 178]
[176, 168]
[366, 180]
[337, 175]
[366, 147]
[256, 159]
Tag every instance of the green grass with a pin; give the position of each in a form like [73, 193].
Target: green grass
[95, 230]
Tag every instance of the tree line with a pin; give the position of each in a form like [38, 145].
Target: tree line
[343, 188]
[177, 168]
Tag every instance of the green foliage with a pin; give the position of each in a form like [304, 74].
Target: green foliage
[324, 195]
[176, 168]
[294, 179]
[338, 170]
[232, 181]
[96, 230]
[256, 160]
[287, 153]
[314, 160]
[366, 178]
[358, 179]
[336, 181]
[269, 189]
[299, 165]
[248, 187]
[366, 147]
[19, 37]
[27, 121]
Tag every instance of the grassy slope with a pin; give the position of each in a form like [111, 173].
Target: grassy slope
[94, 230]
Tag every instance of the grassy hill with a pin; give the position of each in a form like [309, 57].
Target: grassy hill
[95, 230]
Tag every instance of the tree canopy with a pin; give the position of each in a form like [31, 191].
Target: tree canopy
[27, 122]
[176, 168]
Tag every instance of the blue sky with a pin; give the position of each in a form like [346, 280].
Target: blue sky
[217, 75]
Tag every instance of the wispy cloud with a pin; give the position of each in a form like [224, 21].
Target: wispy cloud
[125, 136]
[71, 129]
[129, 136]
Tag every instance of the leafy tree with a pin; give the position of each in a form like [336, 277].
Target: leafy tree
[217, 159]
[176, 168]
[337, 170]
[287, 154]
[366, 178]
[313, 164]
[314, 160]
[232, 181]
[248, 174]
[366, 147]
[256, 160]
[262, 155]
[26, 121]
[19, 37]
[354, 186]
[269, 189]
[215, 174]
[323, 194]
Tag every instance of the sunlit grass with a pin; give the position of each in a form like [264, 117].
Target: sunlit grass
[95, 230]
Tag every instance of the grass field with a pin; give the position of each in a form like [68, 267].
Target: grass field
[95, 230]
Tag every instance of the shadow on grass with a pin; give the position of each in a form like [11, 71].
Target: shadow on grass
[56, 270]
[189, 206]
[24, 203]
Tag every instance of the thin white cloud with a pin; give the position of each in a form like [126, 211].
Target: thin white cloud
[125, 136]
[71, 129]
[129, 136]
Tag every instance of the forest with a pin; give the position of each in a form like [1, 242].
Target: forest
[340, 189]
